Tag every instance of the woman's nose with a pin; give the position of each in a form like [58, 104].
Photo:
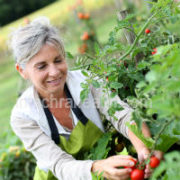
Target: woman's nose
[53, 70]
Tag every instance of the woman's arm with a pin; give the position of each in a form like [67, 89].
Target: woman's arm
[47, 153]
[137, 143]
[122, 116]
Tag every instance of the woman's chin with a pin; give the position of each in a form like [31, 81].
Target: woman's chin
[56, 89]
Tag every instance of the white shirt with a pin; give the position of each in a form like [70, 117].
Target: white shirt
[29, 122]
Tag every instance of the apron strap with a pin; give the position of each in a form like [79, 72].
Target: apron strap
[77, 111]
[51, 122]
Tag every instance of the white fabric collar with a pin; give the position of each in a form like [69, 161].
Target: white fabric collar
[74, 87]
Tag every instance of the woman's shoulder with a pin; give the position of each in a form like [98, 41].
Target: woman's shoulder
[25, 104]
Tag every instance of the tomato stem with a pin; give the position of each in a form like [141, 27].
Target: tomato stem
[137, 37]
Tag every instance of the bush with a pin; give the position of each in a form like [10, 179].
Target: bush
[150, 85]
[16, 163]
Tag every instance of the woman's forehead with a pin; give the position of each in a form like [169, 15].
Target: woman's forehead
[47, 53]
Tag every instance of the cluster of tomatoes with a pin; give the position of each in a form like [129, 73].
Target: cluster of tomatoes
[86, 36]
[83, 48]
[147, 31]
[138, 173]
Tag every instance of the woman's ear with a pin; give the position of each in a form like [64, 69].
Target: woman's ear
[21, 71]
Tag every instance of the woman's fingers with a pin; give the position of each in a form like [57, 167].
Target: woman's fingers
[119, 178]
[143, 154]
[147, 171]
[158, 154]
[119, 174]
[110, 169]
[121, 161]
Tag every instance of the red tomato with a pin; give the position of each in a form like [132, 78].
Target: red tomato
[147, 31]
[154, 51]
[137, 174]
[85, 36]
[154, 162]
[80, 15]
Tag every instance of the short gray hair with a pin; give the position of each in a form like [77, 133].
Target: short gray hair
[27, 41]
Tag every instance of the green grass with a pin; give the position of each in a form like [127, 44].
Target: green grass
[9, 78]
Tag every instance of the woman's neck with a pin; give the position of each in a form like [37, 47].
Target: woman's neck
[53, 100]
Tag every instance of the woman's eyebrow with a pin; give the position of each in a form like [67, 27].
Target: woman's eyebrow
[39, 63]
[57, 57]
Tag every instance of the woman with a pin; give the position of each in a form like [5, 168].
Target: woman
[49, 117]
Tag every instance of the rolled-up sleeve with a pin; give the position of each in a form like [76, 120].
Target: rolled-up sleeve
[122, 116]
[47, 153]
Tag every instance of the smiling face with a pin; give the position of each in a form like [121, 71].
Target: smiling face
[47, 71]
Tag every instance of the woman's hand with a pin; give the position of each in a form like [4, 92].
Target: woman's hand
[143, 154]
[110, 166]
[158, 154]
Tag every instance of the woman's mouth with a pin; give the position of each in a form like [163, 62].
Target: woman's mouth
[54, 82]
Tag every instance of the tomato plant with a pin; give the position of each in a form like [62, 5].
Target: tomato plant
[150, 84]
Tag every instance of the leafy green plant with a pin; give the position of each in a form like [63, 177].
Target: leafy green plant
[160, 92]
[150, 85]
[168, 169]
[16, 163]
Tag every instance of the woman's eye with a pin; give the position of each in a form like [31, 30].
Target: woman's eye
[41, 67]
[58, 61]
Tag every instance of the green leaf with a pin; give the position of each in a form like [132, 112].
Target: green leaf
[95, 176]
[168, 136]
[143, 65]
[147, 141]
[116, 85]
[69, 55]
[85, 73]
[165, 142]
[84, 94]
[95, 84]
[137, 118]
[141, 84]
[111, 37]
[84, 85]
[113, 94]
[176, 130]
[168, 169]
[151, 76]
[100, 151]
[97, 49]
[114, 107]
[123, 152]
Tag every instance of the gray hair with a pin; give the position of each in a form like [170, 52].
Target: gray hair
[27, 41]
